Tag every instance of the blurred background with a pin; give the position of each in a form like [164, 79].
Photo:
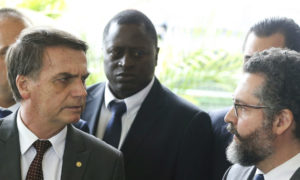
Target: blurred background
[200, 41]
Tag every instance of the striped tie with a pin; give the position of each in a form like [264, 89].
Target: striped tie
[113, 130]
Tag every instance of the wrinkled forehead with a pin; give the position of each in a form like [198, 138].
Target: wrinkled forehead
[61, 58]
[127, 32]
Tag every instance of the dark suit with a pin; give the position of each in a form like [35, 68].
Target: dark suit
[82, 125]
[222, 138]
[169, 138]
[99, 161]
[248, 172]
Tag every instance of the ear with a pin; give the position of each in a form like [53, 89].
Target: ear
[283, 121]
[156, 55]
[22, 83]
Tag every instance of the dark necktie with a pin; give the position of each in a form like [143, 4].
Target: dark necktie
[113, 129]
[4, 113]
[35, 171]
[259, 177]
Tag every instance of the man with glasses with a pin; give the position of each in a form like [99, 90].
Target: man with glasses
[265, 118]
[270, 32]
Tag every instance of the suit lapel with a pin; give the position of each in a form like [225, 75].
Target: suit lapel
[75, 156]
[252, 173]
[10, 149]
[296, 175]
[94, 99]
[143, 122]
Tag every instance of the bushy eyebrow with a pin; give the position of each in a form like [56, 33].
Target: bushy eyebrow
[69, 75]
[239, 101]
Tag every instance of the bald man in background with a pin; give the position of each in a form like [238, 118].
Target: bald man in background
[12, 23]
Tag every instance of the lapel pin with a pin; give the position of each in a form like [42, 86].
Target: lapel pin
[78, 164]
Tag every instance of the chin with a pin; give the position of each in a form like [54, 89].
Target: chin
[72, 120]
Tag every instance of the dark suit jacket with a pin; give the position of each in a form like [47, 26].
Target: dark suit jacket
[99, 161]
[169, 138]
[222, 138]
[82, 125]
[248, 172]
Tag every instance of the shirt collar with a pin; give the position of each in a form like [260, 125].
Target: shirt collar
[12, 108]
[285, 170]
[131, 101]
[27, 138]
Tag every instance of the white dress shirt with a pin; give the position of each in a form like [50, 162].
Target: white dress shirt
[284, 171]
[53, 158]
[133, 104]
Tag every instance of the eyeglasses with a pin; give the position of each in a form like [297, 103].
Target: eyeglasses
[240, 108]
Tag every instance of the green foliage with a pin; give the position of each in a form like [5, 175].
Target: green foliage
[51, 8]
[208, 102]
[203, 69]
[95, 66]
[207, 73]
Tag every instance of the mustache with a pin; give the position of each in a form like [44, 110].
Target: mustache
[230, 128]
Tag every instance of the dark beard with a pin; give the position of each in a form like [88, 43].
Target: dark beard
[251, 149]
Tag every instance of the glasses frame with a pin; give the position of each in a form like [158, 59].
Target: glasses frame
[236, 105]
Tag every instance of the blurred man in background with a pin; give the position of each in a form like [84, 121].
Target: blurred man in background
[12, 22]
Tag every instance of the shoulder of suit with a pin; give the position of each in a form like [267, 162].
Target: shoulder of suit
[219, 114]
[177, 101]
[96, 86]
[96, 144]
[95, 90]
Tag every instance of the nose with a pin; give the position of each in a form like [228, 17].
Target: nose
[126, 60]
[230, 117]
[79, 90]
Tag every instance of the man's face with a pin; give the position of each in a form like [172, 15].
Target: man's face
[58, 94]
[9, 31]
[253, 136]
[257, 44]
[130, 58]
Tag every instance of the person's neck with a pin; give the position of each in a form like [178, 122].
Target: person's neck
[39, 126]
[282, 152]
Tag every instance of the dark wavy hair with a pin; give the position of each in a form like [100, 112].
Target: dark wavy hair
[286, 26]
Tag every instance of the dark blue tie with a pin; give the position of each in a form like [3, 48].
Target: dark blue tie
[4, 113]
[259, 177]
[113, 129]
